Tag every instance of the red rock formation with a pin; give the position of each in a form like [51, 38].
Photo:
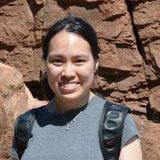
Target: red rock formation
[15, 99]
[129, 38]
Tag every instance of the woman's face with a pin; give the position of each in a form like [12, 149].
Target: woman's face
[70, 66]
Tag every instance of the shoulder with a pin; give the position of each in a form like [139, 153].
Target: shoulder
[129, 130]
[27, 117]
[107, 106]
[129, 124]
[96, 104]
[102, 100]
[97, 100]
[32, 111]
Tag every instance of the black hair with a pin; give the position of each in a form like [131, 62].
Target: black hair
[75, 25]
[70, 24]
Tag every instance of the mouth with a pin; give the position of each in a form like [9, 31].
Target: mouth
[70, 87]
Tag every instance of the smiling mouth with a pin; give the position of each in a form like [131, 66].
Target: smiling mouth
[67, 88]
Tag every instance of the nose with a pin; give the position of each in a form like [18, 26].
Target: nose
[68, 71]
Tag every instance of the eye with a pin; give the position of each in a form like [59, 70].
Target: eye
[80, 61]
[56, 61]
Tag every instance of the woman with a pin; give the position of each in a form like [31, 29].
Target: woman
[67, 127]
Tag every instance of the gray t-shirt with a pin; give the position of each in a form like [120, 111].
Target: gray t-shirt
[54, 140]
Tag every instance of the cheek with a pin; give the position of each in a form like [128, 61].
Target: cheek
[87, 74]
[52, 74]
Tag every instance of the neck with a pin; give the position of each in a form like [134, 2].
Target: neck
[66, 105]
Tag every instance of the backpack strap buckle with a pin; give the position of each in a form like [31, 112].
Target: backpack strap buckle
[110, 129]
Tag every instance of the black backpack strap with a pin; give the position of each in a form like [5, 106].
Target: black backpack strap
[23, 129]
[110, 129]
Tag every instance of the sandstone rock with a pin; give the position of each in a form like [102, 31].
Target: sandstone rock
[146, 19]
[40, 2]
[119, 63]
[15, 98]
[13, 33]
[152, 66]
[119, 39]
[93, 0]
[154, 99]
[150, 141]
[3, 118]
[5, 130]
[132, 82]
[12, 91]
[18, 39]
[22, 59]
[154, 48]
[149, 136]
[76, 2]
[52, 12]
[33, 102]
[113, 9]
[126, 90]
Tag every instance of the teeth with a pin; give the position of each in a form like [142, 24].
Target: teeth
[68, 84]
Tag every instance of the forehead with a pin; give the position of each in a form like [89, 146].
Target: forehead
[68, 41]
[68, 38]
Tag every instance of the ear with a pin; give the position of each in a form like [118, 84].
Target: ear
[97, 65]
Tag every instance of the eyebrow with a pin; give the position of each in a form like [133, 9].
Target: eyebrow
[80, 56]
[55, 56]
[60, 56]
